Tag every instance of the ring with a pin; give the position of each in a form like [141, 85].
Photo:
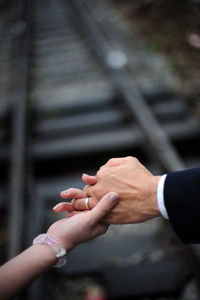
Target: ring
[87, 203]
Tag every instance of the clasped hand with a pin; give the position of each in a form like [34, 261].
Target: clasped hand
[126, 176]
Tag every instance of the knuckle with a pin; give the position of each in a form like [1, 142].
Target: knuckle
[99, 172]
[132, 158]
[111, 160]
[86, 188]
[102, 173]
[76, 204]
[89, 190]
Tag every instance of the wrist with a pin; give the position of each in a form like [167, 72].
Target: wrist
[154, 188]
[64, 240]
[50, 242]
[45, 255]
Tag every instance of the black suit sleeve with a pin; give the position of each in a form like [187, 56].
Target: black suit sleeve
[182, 201]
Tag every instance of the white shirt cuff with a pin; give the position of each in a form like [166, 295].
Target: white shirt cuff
[160, 197]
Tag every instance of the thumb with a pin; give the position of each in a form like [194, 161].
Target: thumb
[104, 206]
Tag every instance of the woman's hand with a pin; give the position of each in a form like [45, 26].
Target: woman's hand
[82, 226]
[29, 264]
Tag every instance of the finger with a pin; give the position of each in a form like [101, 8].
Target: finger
[113, 162]
[104, 206]
[80, 204]
[88, 190]
[89, 179]
[73, 193]
[63, 206]
[85, 188]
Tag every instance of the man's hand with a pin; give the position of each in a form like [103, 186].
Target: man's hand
[135, 185]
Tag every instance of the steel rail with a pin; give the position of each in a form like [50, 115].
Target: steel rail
[164, 152]
[20, 55]
[157, 139]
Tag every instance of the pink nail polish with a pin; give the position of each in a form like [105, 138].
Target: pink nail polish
[55, 206]
[85, 174]
[64, 192]
[113, 198]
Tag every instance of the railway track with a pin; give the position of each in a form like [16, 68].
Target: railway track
[74, 91]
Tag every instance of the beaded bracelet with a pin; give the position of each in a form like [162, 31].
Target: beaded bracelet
[51, 242]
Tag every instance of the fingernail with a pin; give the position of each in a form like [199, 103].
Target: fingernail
[55, 206]
[85, 174]
[113, 198]
[64, 192]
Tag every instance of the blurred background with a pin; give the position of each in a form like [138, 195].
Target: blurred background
[82, 81]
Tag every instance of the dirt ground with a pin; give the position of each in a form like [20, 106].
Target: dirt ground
[173, 28]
